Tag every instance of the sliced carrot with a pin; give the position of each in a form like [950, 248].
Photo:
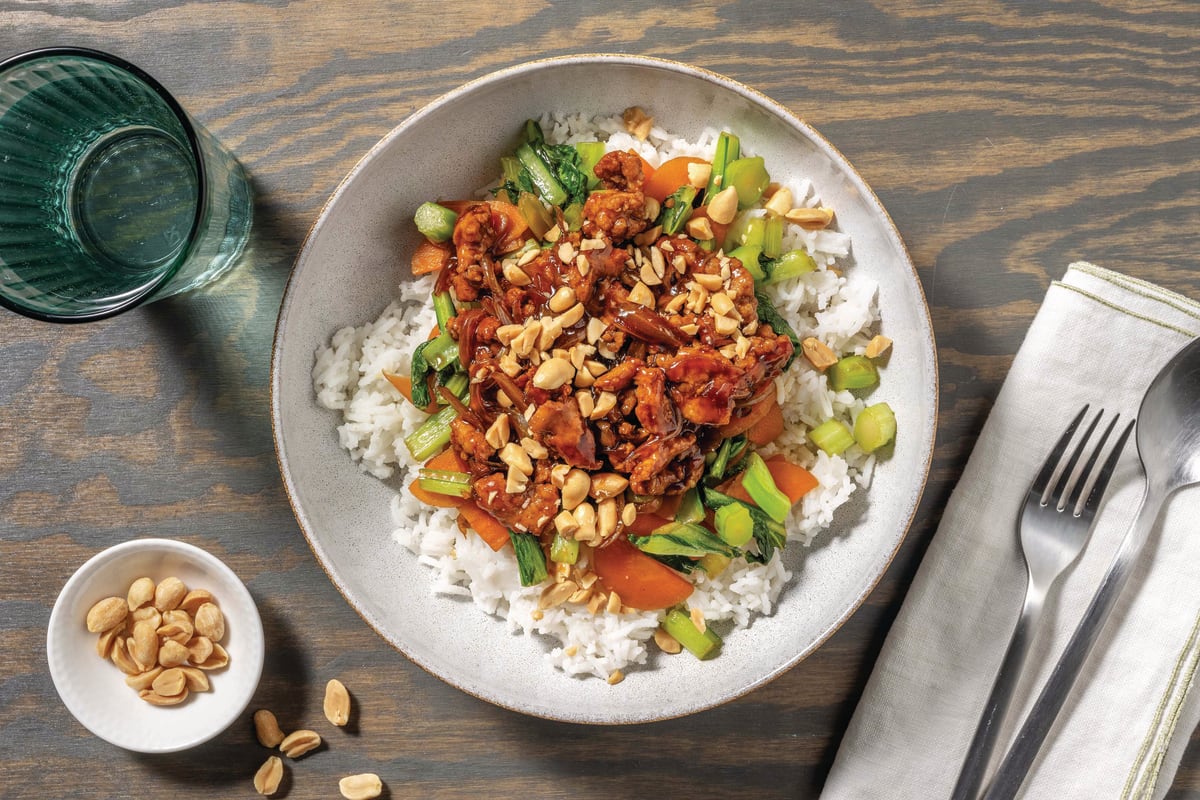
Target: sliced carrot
[647, 170]
[435, 499]
[733, 487]
[792, 480]
[641, 581]
[646, 524]
[447, 460]
[403, 384]
[510, 225]
[429, 257]
[757, 413]
[669, 176]
[490, 529]
[770, 426]
[435, 332]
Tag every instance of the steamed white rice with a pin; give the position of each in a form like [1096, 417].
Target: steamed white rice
[348, 378]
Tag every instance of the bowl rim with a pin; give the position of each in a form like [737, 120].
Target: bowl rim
[689, 70]
[254, 625]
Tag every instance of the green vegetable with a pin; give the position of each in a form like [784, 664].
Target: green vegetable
[457, 484]
[531, 561]
[852, 372]
[418, 374]
[676, 209]
[435, 222]
[749, 254]
[564, 161]
[728, 149]
[768, 534]
[734, 524]
[713, 564]
[516, 179]
[432, 436]
[690, 507]
[535, 214]
[701, 644]
[680, 539]
[745, 230]
[773, 237]
[563, 550]
[759, 484]
[573, 216]
[875, 427]
[768, 314]
[440, 351]
[560, 164]
[459, 385]
[533, 132]
[543, 179]
[589, 155]
[833, 436]
[749, 176]
[443, 306]
[726, 453]
[791, 264]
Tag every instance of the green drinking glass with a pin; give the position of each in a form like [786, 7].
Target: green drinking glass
[110, 194]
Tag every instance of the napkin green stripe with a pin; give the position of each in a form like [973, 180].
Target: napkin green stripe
[1158, 736]
[1142, 288]
[1125, 311]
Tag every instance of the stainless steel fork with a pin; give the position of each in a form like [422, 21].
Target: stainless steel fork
[1054, 525]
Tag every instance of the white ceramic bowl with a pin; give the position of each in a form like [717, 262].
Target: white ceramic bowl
[94, 690]
[346, 273]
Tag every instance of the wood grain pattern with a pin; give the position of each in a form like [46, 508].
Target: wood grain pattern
[1006, 139]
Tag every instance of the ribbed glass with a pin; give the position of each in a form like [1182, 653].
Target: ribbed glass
[109, 194]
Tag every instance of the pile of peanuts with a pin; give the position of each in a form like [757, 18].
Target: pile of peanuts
[163, 637]
[296, 744]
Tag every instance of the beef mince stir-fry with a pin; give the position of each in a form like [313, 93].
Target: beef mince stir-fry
[619, 350]
[604, 370]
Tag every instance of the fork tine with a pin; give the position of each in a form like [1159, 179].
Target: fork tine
[1101, 478]
[1084, 478]
[1049, 471]
[1066, 474]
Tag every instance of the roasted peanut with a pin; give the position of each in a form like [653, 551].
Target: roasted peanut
[170, 682]
[143, 680]
[169, 594]
[140, 593]
[108, 613]
[298, 743]
[337, 703]
[267, 729]
[172, 654]
[210, 622]
[360, 787]
[194, 599]
[575, 489]
[269, 776]
[155, 699]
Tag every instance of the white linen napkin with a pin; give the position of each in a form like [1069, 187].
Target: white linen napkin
[1099, 338]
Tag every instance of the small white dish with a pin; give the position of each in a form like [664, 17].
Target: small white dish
[94, 690]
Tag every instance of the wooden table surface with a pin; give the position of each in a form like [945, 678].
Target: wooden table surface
[1006, 140]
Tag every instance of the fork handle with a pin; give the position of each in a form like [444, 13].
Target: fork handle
[979, 754]
[1017, 762]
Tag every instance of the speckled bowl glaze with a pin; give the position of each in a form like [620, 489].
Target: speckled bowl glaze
[94, 690]
[357, 252]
